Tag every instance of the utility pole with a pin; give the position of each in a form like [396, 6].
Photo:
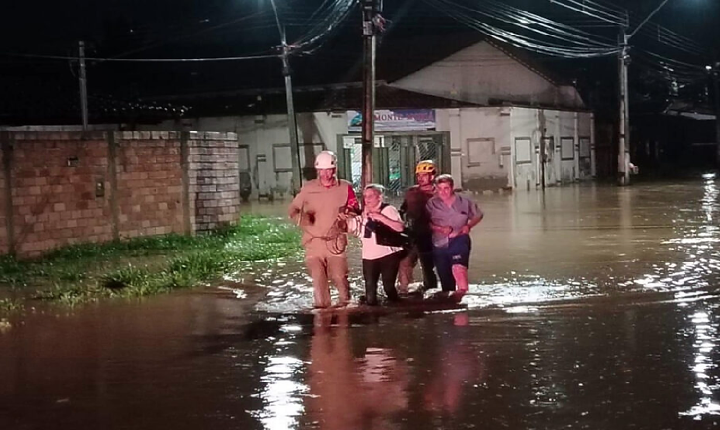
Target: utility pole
[371, 24]
[716, 89]
[83, 85]
[624, 123]
[296, 181]
[292, 120]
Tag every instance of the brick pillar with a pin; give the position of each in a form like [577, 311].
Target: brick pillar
[112, 178]
[7, 158]
[185, 165]
[214, 179]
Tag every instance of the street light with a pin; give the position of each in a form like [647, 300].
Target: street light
[624, 138]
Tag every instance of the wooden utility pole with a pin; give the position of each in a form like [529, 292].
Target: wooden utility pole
[624, 123]
[296, 181]
[370, 11]
[83, 85]
[624, 126]
[716, 89]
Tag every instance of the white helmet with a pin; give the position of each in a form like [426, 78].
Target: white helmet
[326, 160]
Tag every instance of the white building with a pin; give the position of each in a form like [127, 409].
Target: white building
[486, 116]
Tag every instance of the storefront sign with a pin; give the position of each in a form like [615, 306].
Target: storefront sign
[395, 120]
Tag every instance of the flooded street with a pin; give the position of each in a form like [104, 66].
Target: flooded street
[590, 307]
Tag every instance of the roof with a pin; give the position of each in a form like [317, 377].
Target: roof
[690, 110]
[336, 97]
[417, 53]
[422, 51]
[325, 81]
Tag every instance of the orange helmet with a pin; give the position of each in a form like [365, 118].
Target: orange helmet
[426, 166]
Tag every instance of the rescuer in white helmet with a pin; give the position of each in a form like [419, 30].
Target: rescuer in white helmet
[320, 209]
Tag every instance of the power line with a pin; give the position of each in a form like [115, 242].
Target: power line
[661, 34]
[148, 60]
[580, 50]
[562, 29]
[186, 36]
[338, 12]
[594, 10]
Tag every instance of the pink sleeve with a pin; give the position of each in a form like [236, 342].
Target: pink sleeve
[352, 200]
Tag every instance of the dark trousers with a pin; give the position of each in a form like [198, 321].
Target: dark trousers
[422, 250]
[387, 267]
[457, 252]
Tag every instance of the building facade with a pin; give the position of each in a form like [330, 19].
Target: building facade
[484, 115]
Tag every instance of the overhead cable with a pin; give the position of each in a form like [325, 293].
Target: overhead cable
[570, 49]
[147, 60]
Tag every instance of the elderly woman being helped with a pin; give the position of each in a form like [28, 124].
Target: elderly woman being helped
[379, 228]
[452, 216]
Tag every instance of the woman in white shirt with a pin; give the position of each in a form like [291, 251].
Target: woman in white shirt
[379, 228]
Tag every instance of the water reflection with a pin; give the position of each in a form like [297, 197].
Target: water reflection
[283, 390]
[459, 365]
[693, 282]
[703, 261]
[706, 337]
[588, 310]
[349, 392]
[281, 395]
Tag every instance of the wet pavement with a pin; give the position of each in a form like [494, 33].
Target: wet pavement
[591, 307]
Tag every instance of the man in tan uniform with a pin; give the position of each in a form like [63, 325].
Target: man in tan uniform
[320, 210]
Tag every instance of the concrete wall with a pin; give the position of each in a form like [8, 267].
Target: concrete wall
[483, 72]
[491, 148]
[568, 151]
[264, 141]
[525, 146]
[72, 187]
[482, 136]
[585, 145]
[499, 147]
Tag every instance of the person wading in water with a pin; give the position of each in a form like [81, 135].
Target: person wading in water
[415, 213]
[320, 209]
[452, 216]
[380, 229]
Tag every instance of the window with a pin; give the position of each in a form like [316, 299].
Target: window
[480, 150]
[584, 147]
[567, 148]
[244, 160]
[282, 157]
[523, 150]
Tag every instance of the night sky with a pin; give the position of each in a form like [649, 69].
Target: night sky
[210, 28]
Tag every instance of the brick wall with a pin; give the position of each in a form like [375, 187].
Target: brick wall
[71, 187]
[214, 180]
[4, 245]
[149, 183]
[54, 196]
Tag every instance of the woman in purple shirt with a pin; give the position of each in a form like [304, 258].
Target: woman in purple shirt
[452, 217]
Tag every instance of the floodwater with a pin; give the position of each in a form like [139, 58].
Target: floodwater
[592, 307]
